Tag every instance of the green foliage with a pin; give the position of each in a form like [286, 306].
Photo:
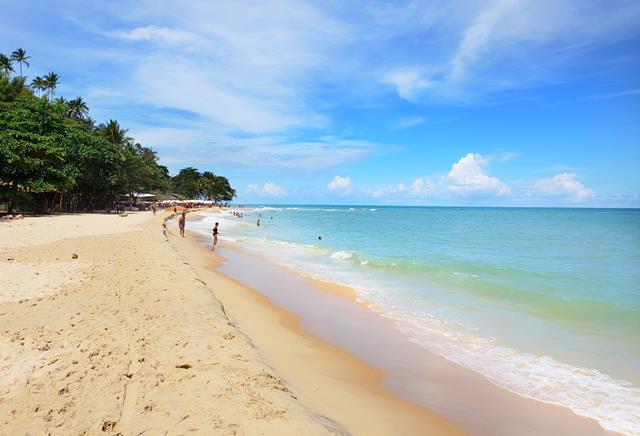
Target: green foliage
[77, 108]
[216, 188]
[6, 66]
[14, 89]
[91, 166]
[113, 133]
[53, 157]
[190, 183]
[185, 183]
[50, 84]
[139, 170]
[38, 85]
[31, 147]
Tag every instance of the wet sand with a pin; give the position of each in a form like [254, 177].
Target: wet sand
[332, 381]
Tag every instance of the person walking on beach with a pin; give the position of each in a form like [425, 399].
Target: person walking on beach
[181, 223]
[215, 236]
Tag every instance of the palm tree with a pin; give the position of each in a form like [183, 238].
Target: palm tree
[114, 134]
[38, 85]
[5, 64]
[20, 56]
[50, 83]
[90, 123]
[77, 108]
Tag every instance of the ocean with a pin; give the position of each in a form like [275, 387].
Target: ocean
[542, 301]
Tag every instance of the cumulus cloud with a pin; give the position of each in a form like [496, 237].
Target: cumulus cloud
[564, 185]
[339, 183]
[268, 189]
[468, 176]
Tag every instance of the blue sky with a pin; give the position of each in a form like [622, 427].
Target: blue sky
[490, 102]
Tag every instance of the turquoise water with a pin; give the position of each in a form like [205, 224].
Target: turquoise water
[545, 302]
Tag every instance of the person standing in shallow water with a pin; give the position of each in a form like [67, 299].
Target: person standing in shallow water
[215, 236]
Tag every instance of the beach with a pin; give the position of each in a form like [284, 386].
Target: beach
[320, 218]
[117, 324]
[124, 336]
[125, 339]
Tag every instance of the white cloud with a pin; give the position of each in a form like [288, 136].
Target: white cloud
[246, 68]
[626, 93]
[339, 183]
[477, 38]
[273, 190]
[468, 176]
[504, 157]
[409, 83]
[183, 147]
[489, 47]
[184, 83]
[269, 189]
[157, 34]
[409, 122]
[564, 185]
[387, 191]
[420, 187]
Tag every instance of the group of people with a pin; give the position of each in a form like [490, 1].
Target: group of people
[238, 214]
[182, 222]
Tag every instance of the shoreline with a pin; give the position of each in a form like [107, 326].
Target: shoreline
[328, 378]
[459, 390]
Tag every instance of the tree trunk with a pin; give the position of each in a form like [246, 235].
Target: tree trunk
[14, 194]
[61, 198]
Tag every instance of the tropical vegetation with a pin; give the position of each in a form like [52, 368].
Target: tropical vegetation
[190, 183]
[53, 156]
